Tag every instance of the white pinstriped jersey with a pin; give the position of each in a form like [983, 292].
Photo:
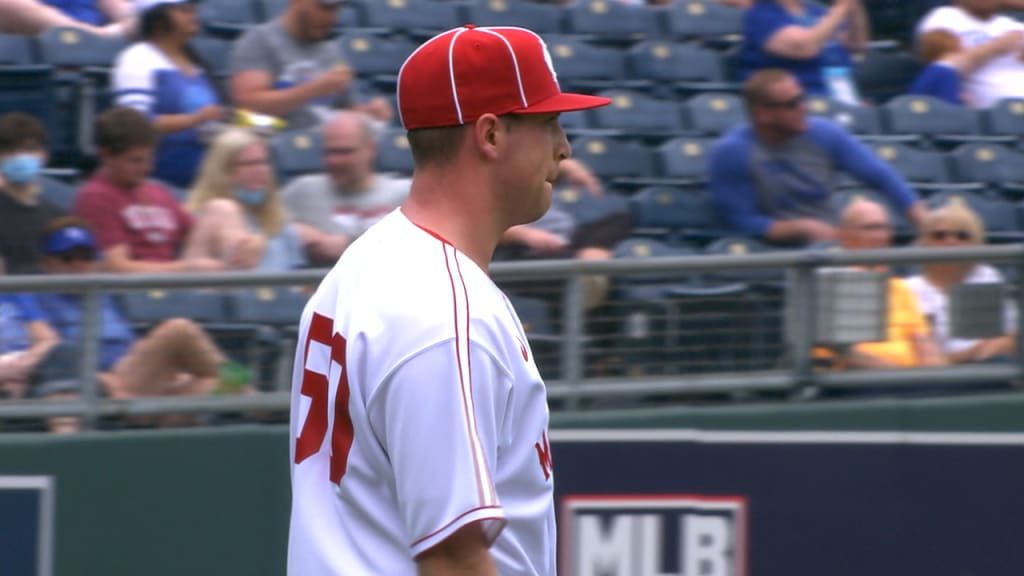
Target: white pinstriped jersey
[416, 409]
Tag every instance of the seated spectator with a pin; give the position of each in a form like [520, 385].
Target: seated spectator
[175, 358]
[956, 225]
[240, 220]
[775, 177]
[23, 214]
[290, 67]
[140, 226]
[32, 17]
[164, 79]
[948, 62]
[810, 40]
[976, 22]
[865, 226]
[350, 196]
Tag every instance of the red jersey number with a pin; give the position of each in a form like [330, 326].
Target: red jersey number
[316, 387]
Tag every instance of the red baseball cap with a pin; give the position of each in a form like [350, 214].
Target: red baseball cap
[466, 72]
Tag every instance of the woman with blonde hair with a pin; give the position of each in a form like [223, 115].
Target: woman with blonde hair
[240, 219]
[955, 224]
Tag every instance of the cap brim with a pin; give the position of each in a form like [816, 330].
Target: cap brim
[565, 102]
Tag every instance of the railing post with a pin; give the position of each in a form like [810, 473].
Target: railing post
[572, 331]
[803, 315]
[1018, 264]
[89, 362]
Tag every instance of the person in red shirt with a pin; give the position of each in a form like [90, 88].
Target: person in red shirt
[140, 226]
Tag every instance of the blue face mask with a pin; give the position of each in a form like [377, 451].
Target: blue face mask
[21, 168]
[251, 197]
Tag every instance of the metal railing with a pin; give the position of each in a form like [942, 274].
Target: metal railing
[573, 383]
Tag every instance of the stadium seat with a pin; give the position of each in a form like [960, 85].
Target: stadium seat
[926, 171]
[146, 308]
[881, 75]
[659, 61]
[638, 115]
[860, 120]
[419, 18]
[393, 154]
[374, 57]
[1004, 118]
[56, 192]
[990, 164]
[610, 21]
[586, 207]
[541, 18]
[673, 215]
[707, 21]
[228, 18]
[78, 50]
[940, 122]
[17, 50]
[296, 153]
[998, 215]
[742, 246]
[30, 89]
[586, 67]
[614, 160]
[277, 307]
[545, 342]
[683, 161]
[713, 114]
[216, 55]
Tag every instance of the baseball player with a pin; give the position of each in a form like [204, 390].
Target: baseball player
[419, 420]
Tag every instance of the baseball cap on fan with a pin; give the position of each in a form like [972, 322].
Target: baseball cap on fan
[462, 74]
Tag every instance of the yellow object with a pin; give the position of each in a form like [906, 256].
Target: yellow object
[260, 121]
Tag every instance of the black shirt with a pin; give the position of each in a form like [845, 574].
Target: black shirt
[21, 228]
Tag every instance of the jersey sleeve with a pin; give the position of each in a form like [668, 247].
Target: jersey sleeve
[731, 188]
[438, 417]
[134, 80]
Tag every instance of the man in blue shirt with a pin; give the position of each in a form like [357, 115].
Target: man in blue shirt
[775, 177]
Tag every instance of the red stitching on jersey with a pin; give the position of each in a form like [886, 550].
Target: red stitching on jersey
[473, 439]
[460, 517]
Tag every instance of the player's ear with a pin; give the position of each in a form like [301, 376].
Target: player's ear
[488, 135]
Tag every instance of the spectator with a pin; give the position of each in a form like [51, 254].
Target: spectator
[175, 358]
[350, 197]
[240, 220]
[32, 17]
[976, 22]
[140, 226]
[164, 79]
[23, 214]
[948, 62]
[811, 41]
[956, 225]
[776, 176]
[289, 67]
[865, 226]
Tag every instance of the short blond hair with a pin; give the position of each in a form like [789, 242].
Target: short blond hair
[954, 213]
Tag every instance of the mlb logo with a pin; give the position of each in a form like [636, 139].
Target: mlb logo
[658, 535]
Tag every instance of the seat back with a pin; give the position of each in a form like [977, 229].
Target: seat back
[296, 153]
[713, 114]
[636, 113]
[924, 115]
[541, 18]
[610, 21]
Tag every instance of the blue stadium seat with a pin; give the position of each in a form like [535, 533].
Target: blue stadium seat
[742, 246]
[586, 207]
[215, 54]
[673, 215]
[882, 75]
[714, 113]
[660, 62]
[296, 153]
[146, 308]
[610, 21]
[614, 160]
[927, 171]
[57, 192]
[707, 21]
[636, 114]
[990, 164]
[374, 57]
[683, 161]
[940, 122]
[30, 89]
[17, 50]
[228, 18]
[541, 18]
[393, 154]
[1004, 118]
[277, 307]
[419, 18]
[586, 67]
[545, 342]
[860, 120]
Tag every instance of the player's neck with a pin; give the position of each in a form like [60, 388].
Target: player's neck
[463, 220]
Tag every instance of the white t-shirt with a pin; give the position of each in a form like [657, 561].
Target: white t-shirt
[1001, 77]
[934, 305]
[416, 410]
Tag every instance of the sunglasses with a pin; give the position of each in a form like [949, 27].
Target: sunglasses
[791, 104]
[961, 235]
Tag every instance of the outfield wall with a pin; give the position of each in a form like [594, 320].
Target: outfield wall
[847, 488]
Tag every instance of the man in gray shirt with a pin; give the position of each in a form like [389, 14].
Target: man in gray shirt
[291, 68]
[350, 197]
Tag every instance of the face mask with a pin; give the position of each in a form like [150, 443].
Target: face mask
[251, 197]
[21, 168]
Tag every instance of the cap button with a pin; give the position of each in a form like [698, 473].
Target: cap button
[469, 26]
